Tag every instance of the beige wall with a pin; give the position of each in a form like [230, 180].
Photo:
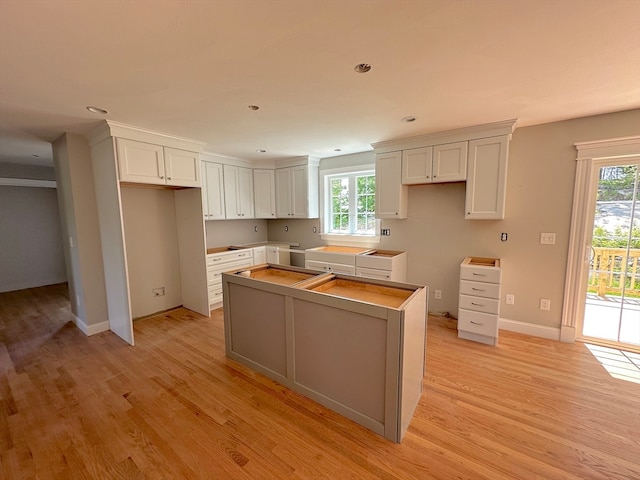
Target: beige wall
[221, 233]
[151, 240]
[79, 222]
[539, 199]
[31, 252]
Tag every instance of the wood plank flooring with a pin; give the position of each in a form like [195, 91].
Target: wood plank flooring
[175, 407]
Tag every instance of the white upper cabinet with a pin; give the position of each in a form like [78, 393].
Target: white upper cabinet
[416, 165]
[182, 167]
[238, 192]
[264, 191]
[297, 191]
[450, 162]
[391, 195]
[435, 164]
[213, 191]
[141, 162]
[487, 178]
[476, 155]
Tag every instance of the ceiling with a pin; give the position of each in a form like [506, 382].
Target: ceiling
[191, 68]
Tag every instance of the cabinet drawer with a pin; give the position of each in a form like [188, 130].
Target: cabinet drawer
[480, 274]
[480, 289]
[479, 304]
[331, 267]
[215, 294]
[219, 258]
[373, 273]
[216, 270]
[476, 322]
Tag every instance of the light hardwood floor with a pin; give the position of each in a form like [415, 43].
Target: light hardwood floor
[175, 407]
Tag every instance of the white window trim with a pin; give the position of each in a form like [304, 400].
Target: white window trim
[343, 239]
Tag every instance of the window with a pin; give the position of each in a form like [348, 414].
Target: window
[350, 203]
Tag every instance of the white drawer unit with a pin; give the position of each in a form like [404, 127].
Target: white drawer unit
[479, 302]
[218, 262]
[383, 265]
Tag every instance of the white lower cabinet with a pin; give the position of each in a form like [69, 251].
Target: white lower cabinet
[259, 255]
[278, 254]
[479, 302]
[219, 262]
[363, 262]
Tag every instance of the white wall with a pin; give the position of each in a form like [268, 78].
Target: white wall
[151, 240]
[31, 253]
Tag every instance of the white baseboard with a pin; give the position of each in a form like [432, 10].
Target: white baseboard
[89, 330]
[552, 333]
[33, 284]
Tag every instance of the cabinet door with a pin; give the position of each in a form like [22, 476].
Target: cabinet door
[299, 191]
[140, 162]
[259, 255]
[416, 165]
[203, 180]
[487, 178]
[450, 162]
[391, 195]
[245, 190]
[238, 192]
[264, 193]
[182, 167]
[214, 191]
[283, 192]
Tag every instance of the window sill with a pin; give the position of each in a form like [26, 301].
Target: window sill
[350, 240]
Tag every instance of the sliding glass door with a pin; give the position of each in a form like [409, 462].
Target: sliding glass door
[612, 306]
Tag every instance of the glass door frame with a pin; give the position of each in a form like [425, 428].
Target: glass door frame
[591, 156]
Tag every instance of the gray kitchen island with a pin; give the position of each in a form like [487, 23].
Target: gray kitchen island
[354, 345]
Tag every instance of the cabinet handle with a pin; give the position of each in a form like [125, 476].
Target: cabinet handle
[162, 177]
[479, 274]
[168, 178]
[478, 289]
[217, 259]
[477, 304]
[476, 323]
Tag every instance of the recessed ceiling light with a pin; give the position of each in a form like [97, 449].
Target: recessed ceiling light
[98, 110]
[253, 107]
[362, 68]
[408, 119]
[261, 150]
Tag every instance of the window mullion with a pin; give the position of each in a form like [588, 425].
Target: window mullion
[352, 204]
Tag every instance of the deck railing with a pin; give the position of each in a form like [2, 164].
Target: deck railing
[607, 269]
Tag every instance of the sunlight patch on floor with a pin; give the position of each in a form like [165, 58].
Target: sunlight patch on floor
[619, 363]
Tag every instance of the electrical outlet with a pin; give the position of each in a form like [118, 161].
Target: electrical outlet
[511, 299]
[158, 292]
[547, 238]
[385, 232]
[504, 236]
[437, 294]
[545, 304]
